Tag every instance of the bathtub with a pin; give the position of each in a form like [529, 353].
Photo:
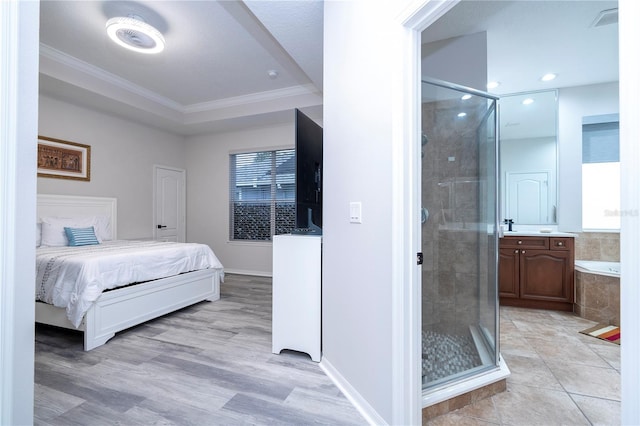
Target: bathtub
[597, 291]
[610, 269]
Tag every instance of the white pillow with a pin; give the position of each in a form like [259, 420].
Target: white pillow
[53, 234]
[38, 234]
[103, 228]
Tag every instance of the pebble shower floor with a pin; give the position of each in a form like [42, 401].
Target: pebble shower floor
[444, 355]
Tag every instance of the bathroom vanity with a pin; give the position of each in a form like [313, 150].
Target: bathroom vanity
[536, 270]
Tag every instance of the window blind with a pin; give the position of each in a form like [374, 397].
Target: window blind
[261, 194]
[600, 143]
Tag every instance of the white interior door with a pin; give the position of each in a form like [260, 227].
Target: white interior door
[170, 203]
[528, 197]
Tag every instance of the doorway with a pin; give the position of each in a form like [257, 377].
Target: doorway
[459, 278]
[169, 204]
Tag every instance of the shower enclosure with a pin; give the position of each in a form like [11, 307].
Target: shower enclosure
[459, 235]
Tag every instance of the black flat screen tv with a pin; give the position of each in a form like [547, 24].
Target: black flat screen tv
[308, 175]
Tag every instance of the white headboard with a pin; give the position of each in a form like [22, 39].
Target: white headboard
[71, 206]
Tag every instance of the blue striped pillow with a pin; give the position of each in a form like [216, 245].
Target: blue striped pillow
[81, 236]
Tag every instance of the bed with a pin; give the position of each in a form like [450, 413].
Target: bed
[112, 303]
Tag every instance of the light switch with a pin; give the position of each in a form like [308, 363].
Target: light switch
[355, 212]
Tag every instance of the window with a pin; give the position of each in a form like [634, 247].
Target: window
[600, 173]
[262, 194]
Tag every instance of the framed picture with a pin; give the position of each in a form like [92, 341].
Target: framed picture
[63, 159]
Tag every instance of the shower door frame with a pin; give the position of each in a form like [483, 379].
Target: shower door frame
[499, 371]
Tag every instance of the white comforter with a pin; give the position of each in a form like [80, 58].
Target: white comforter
[74, 277]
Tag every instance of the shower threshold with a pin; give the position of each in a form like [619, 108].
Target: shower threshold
[484, 374]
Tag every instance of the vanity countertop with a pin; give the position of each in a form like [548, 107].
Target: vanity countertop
[538, 234]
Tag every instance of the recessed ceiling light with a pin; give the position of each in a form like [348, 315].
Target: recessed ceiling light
[527, 101]
[273, 74]
[493, 84]
[462, 114]
[549, 77]
[465, 97]
[133, 33]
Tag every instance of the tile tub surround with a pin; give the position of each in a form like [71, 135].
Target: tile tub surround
[597, 297]
[598, 246]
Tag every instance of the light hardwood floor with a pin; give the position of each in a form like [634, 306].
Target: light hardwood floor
[209, 364]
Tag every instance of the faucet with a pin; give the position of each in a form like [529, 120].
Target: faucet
[510, 223]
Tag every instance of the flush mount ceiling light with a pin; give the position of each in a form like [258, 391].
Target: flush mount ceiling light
[527, 101]
[493, 84]
[133, 33]
[465, 97]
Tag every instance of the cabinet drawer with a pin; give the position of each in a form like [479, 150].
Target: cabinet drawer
[558, 243]
[525, 242]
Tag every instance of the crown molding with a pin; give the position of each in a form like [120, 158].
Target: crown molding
[68, 69]
[76, 64]
[253, 98]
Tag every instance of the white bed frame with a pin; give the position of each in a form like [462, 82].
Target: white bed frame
[124, 307]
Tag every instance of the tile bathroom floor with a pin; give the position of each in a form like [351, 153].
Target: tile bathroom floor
[558, 376]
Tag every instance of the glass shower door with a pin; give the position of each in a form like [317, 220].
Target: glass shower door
[459, 234]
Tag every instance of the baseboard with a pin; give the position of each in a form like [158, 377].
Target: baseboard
[370, 415]
[245, 272]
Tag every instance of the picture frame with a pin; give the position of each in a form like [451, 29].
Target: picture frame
[62, 159]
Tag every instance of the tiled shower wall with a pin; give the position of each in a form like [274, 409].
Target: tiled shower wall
[598, 246]
[450, 243]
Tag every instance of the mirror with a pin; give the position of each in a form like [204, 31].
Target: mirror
[528, 157]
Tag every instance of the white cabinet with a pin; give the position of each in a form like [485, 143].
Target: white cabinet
[297, 281]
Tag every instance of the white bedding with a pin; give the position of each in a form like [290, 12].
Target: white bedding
[74, 277]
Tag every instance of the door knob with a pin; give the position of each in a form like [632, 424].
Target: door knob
[162, 226]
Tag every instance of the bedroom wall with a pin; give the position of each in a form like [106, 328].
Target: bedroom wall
[122, 157]
[207, 162]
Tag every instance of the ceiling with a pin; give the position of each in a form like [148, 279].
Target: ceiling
[213, 74]
[527, 39]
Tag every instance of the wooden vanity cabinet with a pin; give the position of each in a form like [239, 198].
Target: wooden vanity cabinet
[537, 272]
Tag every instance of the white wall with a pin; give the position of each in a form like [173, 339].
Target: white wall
[460, 60]
[630, 204]
[359, 51]
[574, 103]
[122, 157]
[18, 122]
[207, 159]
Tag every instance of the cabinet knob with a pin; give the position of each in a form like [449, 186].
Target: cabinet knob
[516, 251]
[519, 241]
[559, 243]
[523, 252]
